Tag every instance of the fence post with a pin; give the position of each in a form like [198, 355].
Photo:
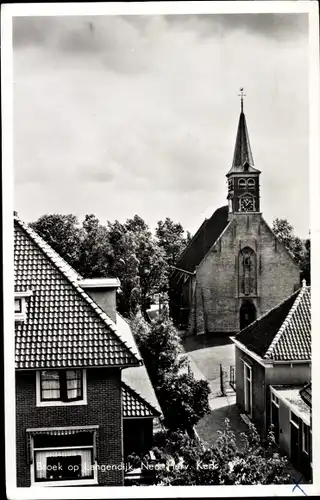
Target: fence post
[222, 380]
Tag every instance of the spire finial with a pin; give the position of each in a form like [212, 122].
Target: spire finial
[241, 95]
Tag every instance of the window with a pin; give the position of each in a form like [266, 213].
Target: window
[294, 419]
[242, 184]
[64, 458]
[251, 183]
[247, 377]
[247, 272]
[230, 184]
[61, 387]
[18, 305]
[274, 399]
[306, 438]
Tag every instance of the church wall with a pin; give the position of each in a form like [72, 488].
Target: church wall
[218, 296]
[216, 288]
[279, 274]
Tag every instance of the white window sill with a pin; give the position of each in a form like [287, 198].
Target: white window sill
[61, 403]
[19, 317]
[76, 482]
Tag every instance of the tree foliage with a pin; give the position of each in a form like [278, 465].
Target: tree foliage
[299, 249]
[182, 460]
[63, 233]
[127, 251]
[183, 399]
[171, 238]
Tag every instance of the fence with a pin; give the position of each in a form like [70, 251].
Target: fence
[232, 379]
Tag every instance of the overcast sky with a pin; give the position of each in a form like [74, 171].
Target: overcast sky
[123, 115]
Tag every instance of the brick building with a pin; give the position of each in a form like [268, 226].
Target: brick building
[84, 400]
[273, 366]
[234, 269]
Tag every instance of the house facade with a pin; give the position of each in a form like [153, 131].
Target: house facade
[81, 387]
[228, 274]
[290, 414]
[273, 355]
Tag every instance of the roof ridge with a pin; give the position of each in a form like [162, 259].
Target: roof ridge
[136, 393]
[46, 248]
[286, 322]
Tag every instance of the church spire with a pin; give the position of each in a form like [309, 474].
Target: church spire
[243, 177]
[242, 150]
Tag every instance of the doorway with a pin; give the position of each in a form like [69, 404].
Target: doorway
[248, 314]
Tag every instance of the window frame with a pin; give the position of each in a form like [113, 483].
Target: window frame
[92, 479]
[21, 315]
[251, 183]
[19, 301]
[60, 402]
[305, 449]
[294, 421]
[248, 368]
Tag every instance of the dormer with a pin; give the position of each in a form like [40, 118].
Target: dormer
[21, 305]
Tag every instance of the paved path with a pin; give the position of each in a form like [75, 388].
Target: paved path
[205, 354]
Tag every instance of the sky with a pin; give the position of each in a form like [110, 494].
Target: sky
[124, 115]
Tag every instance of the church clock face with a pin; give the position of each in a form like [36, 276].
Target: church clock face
[246, 204]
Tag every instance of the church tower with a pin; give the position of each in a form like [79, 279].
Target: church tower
[234, 268]
[243, 177]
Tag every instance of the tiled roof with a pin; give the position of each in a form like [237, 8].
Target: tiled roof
[64, 327]
[135, 406]
[284, 332]
[306, 394]
[137, 378]
[203, 240]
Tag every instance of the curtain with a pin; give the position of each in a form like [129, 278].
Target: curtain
[50, 385]
[41, 464]
[74, 383]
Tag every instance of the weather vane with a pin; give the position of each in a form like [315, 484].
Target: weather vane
[242, 95]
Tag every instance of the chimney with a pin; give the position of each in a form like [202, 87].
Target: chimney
[104, 292]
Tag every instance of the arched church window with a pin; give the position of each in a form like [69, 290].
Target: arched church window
[251, 183]
[242, 183]
[247, 271]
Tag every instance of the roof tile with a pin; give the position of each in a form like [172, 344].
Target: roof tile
[284, 332]
[64, 327]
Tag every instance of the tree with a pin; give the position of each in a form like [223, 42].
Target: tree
[305, 265]
[124, 264]
[95, 250]
[184, 400]
[181, 460]
[63, 233]
[170, 236]
[284, 232]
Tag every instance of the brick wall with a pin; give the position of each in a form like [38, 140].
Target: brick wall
[218, 298]
[103, 408]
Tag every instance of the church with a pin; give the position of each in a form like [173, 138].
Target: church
[234, 268]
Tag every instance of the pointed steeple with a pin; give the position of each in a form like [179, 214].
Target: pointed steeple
[242, 157]
[243, 178]
[242, 150]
